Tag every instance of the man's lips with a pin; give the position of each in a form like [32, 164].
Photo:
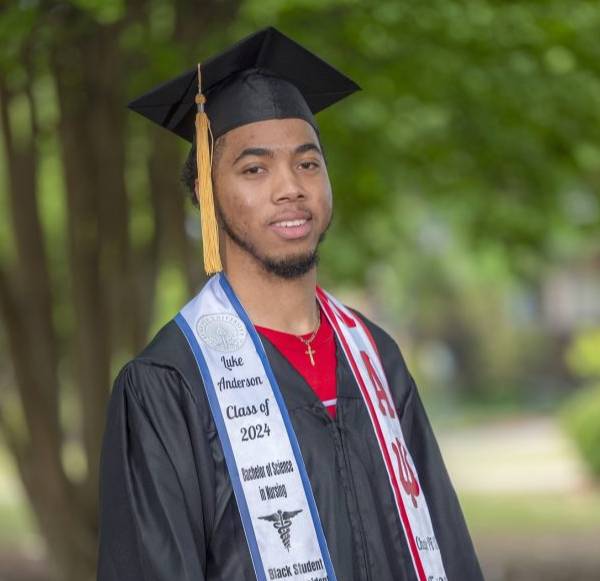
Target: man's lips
[292, 227]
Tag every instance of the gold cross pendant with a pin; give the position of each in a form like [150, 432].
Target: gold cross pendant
[310, 352]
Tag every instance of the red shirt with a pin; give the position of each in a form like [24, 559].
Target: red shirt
[321, 376]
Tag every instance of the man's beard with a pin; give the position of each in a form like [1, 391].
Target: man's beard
[290, 267]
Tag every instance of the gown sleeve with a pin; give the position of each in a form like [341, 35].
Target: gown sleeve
[152, 515]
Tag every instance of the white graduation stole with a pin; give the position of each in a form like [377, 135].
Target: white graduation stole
[265, 465]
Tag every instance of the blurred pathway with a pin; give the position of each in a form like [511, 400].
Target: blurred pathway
[529, 471]
[522, 455]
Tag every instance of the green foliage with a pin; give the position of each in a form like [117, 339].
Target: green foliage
[104, 11]
[581, 413]
[16, 23]
[583, 356]
[581, 417]
[460, 303]
[484, 111]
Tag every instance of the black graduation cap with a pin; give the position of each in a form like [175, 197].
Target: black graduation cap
[263, 76]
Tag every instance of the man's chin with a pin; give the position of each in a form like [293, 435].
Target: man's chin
[290, 267]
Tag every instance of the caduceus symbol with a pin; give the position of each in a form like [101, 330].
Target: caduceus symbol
[407, 476]
[282, 521]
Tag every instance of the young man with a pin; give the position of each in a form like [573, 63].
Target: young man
[267, 431]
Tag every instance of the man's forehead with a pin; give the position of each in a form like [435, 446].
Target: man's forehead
[274, 134]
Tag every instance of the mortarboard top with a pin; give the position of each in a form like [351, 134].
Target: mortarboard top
[263, 76]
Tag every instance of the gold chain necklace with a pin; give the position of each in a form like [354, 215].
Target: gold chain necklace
[310, 351]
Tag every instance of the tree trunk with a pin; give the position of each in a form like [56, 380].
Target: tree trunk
[111, 284]
[26, 306]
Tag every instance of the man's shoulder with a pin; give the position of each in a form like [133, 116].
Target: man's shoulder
[166, 360]
[165, 346]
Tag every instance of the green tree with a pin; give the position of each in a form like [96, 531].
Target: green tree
[484, 111]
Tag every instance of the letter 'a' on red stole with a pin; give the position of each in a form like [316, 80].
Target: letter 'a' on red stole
[386, 407]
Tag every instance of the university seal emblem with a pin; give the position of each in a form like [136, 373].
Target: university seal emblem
[222, 332]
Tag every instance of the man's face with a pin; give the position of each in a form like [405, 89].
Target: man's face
[273, 194]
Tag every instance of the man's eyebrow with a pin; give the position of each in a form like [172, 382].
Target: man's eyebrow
[264, 152]
[255, 151]
[310, 146]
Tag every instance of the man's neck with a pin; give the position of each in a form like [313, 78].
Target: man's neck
[287, 305]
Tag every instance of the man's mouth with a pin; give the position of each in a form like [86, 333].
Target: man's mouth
[292, 229]
[290, 223]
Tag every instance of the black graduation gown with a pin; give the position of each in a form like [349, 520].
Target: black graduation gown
[167, 509]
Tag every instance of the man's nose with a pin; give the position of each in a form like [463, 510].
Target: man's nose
[288, 185]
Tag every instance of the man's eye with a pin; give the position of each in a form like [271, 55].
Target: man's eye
[309, 165]
[253, 170]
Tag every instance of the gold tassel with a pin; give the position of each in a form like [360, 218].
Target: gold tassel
[210, 230]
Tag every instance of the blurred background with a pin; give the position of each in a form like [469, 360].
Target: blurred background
[466, 177]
